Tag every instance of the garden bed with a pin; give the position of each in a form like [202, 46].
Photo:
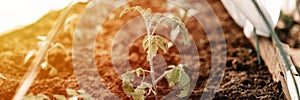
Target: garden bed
[243, 78]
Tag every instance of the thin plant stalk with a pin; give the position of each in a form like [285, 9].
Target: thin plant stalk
[152, 72]
[257, 46]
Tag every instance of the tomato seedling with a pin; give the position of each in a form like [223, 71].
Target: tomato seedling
[176, 76]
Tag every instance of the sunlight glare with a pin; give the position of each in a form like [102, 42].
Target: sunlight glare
[17, 13]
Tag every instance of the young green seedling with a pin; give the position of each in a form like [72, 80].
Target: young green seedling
[46, 64]
[36, 97]
[53, 70]
[72, 94]
[151, 44]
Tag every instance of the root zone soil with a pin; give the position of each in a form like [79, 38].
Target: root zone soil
[243, 78]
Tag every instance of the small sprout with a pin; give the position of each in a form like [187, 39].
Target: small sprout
[42, 38]
[44, 65]
[59, 97]
[71, 92]
[74, 95]
[53, 71]
[37, 97]
[70, 22]
[29, 55]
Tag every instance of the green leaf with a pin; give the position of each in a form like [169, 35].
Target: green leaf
[53, 71]
[42, 97]
[145, 43]
[139, 91]
[138, 97]
[163, 21]
[185, 34]
[29, 55]
[161, 38]
[139, 94]
[127, 88]
[128, 76]
[146, 85]
[176, 22]
[184, 84]
[174, 32]
[153, 51]
[177, 75]
[147, 11]
[71, 92]
[173, 76]
[37, 97]
[155, 18]
[59, 97]
[161, 45]
[28, 97]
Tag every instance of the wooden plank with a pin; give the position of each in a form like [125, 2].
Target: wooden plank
[295, 56]
[276, 66]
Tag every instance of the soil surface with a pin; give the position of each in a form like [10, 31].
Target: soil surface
[290, 35]
[243, 78]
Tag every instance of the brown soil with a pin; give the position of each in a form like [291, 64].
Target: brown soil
[290, 35]
[243, 79]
